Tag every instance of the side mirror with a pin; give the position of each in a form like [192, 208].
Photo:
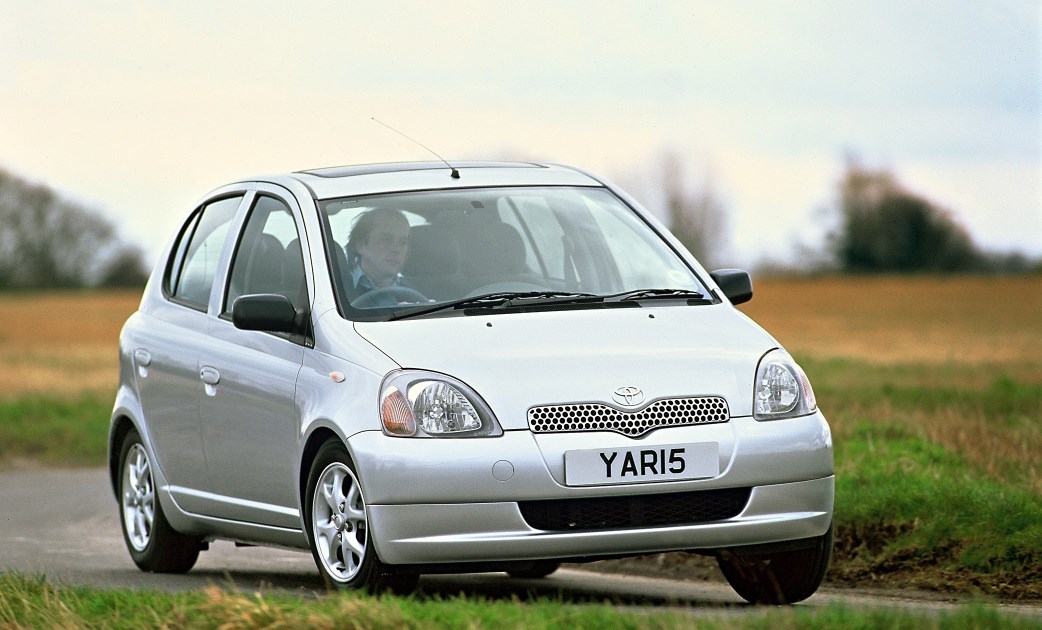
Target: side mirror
[268, 312]
[735, 283]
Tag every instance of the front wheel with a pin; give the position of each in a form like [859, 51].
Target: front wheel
[338, 526]
[153, 544]
[781, 577]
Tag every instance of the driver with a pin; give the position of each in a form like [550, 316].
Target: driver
[376, 251]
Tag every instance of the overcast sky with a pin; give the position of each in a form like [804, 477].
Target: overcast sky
[139, 108]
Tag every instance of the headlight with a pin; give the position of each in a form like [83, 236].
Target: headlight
[426, 404]
[782, 389]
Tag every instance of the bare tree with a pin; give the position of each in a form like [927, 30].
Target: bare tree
[124, 269]
[49, 242]
[695, 216]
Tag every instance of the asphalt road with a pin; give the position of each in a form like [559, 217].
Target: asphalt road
[64, 524]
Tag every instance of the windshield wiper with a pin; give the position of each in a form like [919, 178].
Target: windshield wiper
[500, 299]
[653, 294]
[514, 299]
[552, 297]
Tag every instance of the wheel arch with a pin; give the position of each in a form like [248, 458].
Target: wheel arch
[319, 436]
[121, 426]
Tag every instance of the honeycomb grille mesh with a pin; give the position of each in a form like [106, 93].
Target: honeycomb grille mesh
[668, 412]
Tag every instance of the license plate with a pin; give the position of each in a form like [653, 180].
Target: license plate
[672, 462]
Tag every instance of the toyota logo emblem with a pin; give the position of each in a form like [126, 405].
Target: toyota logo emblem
[628, 396]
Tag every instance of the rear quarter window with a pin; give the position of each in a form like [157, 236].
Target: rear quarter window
[193, 262]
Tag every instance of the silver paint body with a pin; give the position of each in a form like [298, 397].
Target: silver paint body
[226, 413]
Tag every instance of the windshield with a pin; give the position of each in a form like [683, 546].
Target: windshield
[394, 252]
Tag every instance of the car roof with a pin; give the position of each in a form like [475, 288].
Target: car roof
[363, 179]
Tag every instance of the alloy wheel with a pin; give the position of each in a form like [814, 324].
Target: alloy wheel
[139, 498]
[339, 523]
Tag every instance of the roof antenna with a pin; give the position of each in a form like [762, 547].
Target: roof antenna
[454, 173]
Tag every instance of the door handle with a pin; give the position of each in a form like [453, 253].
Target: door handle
[210, 378]
[210, 375]
[142, 358]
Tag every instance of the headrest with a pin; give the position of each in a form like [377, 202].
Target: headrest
[433, 251]
[492, 248]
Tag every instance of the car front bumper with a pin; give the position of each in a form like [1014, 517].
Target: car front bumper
[434, 501]
[490, 532]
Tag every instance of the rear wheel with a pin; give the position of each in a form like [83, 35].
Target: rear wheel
[782, 577]
[153, 544]
[338, 527]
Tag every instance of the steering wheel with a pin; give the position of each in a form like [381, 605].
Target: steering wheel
[389, 296]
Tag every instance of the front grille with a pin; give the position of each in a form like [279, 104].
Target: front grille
[655, 510]
[668, 412]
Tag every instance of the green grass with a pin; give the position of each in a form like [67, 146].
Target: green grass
[31, 602]
[938, 473]
[54, 431]
[939, 510]
[989, 417]
[1005, 391]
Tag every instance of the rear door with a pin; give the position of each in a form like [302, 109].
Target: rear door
[166, 350]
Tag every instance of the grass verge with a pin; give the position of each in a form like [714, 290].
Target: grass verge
[31, 602]
[55, 432]
[914, 513]
[938, 480]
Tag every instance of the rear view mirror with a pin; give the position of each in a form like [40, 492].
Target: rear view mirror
[735, 283]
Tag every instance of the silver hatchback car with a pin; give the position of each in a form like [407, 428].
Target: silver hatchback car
[410, 368]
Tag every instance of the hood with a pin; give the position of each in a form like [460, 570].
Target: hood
[518, 360]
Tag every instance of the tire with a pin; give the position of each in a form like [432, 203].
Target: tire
[539, 569]
[782, 577]
[153, 544]
[338, 527]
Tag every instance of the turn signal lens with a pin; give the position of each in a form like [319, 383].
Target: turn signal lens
[396, 413]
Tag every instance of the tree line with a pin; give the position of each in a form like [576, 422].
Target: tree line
[886, 228]
[881, 226]
[48, 242]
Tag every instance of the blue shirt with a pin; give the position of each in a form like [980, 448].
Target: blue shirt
[363, 286]
[362, 281]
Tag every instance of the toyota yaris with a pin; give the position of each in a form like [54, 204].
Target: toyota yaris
[411, 368]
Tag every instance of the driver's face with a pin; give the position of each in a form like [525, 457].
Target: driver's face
[382, 255]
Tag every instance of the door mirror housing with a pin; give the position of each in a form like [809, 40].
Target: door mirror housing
[268, 312]
[735, 283]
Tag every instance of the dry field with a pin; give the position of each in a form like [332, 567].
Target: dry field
[65, 343]
[61, 344]
[921, 319]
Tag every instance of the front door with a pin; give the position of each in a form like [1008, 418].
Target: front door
[250, 423]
